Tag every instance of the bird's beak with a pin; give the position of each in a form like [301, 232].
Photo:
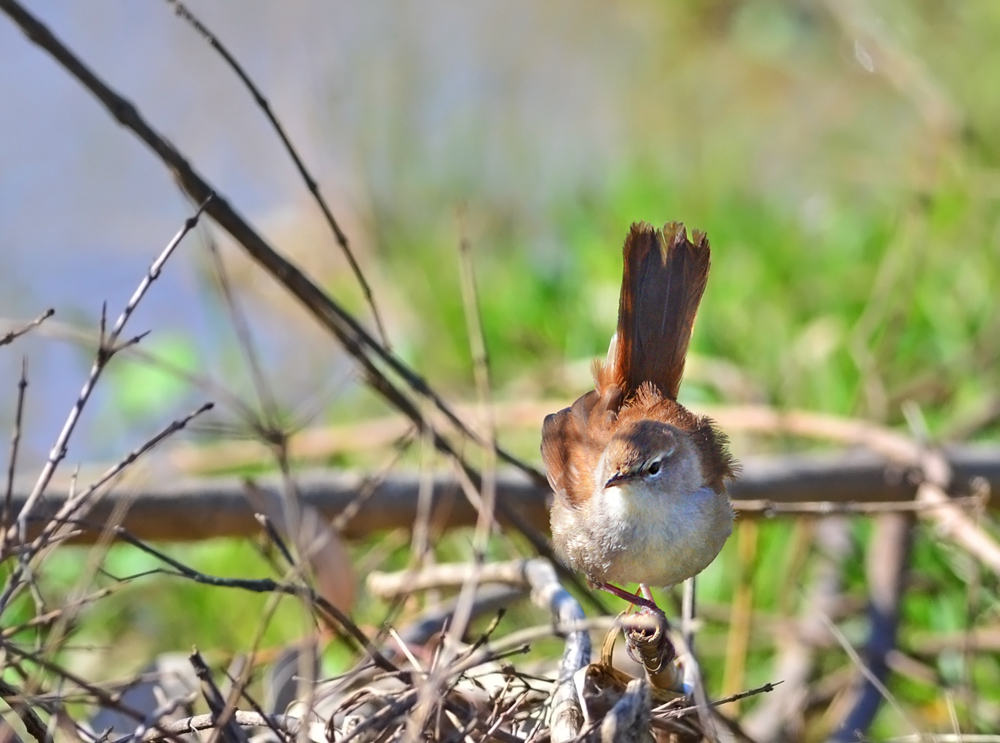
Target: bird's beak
[616, 479]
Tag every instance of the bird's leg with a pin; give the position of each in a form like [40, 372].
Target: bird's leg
[645, 601]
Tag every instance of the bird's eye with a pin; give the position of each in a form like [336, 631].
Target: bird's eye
[654, 467]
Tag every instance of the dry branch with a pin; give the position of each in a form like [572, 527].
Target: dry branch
[887, 564]
[781, 716]
[194, 509]
[243, 718]
[310, 182]
[16, 333]
[32, 723]
[108, 347]
[932, 465]
[357, 341]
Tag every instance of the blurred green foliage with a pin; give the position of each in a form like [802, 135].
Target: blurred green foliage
[844, 166]
[853, 215]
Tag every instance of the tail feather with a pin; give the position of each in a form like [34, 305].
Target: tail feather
[664, 278]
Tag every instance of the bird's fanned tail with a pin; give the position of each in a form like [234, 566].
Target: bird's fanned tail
[665, 275]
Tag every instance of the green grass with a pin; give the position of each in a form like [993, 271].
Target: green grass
[851, 317]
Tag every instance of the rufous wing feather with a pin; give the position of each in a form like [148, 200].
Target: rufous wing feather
[664, 278]
[572, 442]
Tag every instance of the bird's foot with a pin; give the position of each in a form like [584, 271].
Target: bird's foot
[647, 637]
[647, 640]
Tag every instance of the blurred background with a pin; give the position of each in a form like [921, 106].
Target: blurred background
[842, 156]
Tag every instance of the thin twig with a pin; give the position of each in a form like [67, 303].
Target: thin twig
[22, 387]
[668, 714]
[73, 504]
[887, 567]
[270, 430]
[270, 529]
[303, 568]
[289, 725]
[102, 696]
[267, 585]
[108, 347]
[389, 586]
[768, 508]
[222, 710]
[32, 722]
[218, 391]
[487, 487]
[168, 707]
[58, 614]
[15, 334]
[311, 184]
[78, 501]
[280, 734]
[874, 680]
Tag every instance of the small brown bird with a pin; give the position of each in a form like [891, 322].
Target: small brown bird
[639, 481]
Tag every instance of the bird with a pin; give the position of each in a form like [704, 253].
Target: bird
[638, 480]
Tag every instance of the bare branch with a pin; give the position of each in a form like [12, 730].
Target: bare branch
[887, 564]
[311, 184]
[266, 585]
[289, 725]
[22, 387]
[103, 697]
[32, 722]
[15, 334]
[905, 451]
[104, 353]
[76, 503]
[869, 676]
[228, 730]
[188, 509]
[354, 338]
